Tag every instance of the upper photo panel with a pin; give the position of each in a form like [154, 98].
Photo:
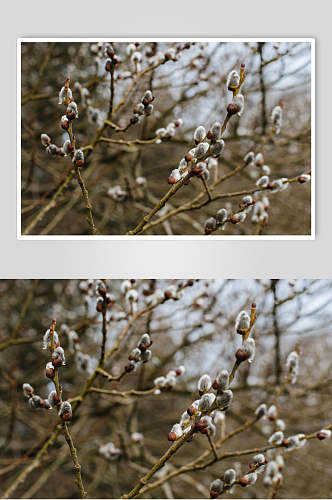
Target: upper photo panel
[212, 138]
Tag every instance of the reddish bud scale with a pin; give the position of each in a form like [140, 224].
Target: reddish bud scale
[49, 373]
[285, 443]
[243, 482]
[241, 355]
[57, 362]
[178, 372]
[232, 109]
[172, 436]
[321, 436]
[301, 179]
[209, 135]
[108, 65]
[208, 230]
[188, 157]
[66, 417]
[99, 307]
[167, 294]
[191, 410]
[215, 385]
[234, 219]
[71, 115]
[214, 494]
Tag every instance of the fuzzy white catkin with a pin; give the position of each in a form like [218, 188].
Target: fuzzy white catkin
[242, 322]
[238, 101]
[229, 476]
[249, 157]
[199, 134]
[204, 383]
[262, 181]
[216, 130]
[276, 438]
[233, 80]
[261, 410]
[177, 430]
[249, 346]
[217, 147]
[206, 401]
[217, 485]
[221, 215]
[201, 149]
[223, 379]
[225, 399]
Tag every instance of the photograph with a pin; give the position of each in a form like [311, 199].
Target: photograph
[166, 138]
[165, 388]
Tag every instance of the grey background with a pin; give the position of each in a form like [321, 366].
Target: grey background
[161, 259]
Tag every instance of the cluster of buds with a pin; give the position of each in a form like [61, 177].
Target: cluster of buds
[111, 59]
[141, 353]
[143, 108]
[168, 132]
[276, 119]
[255, 162]
[51, 342]
[51, 149]
[273, 471]
[163, 384]
[223, 217]
[110, 451]
[194, 163]
[104, 299]
[203, 414]
[68, 148]
[35, 401]
[228, 481]
[260, 213]
[234, 82]
[117, 193]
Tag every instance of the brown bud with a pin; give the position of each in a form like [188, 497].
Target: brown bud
[209, 135]
[214, 494]
[234, 219]
[215, 385]
[188, 157]
[285, 443]
[67, 416]
[301, 179]
[57, 362]
[172, 436]
[243, 481]
[49, 373]
[191, 410]
[320, 435]
[201, 426]
[241, 355]
[232, 109]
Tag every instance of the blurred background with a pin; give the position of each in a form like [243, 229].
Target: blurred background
[196, 331]
[193, 89]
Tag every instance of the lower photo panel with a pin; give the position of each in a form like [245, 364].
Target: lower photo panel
[151, 388]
